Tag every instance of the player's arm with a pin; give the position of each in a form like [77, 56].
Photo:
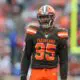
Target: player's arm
[63, 54]
[26, 57]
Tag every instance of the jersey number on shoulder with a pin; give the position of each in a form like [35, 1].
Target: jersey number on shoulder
[49, 49]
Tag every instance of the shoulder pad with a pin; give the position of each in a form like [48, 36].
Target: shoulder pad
[33, 25]
[31, 28]
[31, 31]
[63, 34]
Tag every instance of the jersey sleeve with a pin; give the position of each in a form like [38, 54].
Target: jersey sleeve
[62, 34]
[26, 57]
[63, 53]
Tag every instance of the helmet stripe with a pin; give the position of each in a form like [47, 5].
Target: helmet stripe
[45, 9]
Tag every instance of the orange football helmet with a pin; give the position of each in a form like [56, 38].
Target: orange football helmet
[46, 16]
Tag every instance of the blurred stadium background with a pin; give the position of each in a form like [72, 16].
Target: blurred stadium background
[16, 14]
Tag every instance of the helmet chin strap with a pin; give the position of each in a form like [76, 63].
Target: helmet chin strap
[50, 22]
[49, 25]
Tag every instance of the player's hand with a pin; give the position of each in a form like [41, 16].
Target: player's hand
[63, 79]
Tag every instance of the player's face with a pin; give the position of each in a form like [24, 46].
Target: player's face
[45, 20]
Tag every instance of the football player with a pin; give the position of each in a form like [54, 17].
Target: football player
[45, 47]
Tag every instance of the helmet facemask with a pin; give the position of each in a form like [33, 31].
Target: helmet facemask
[46, 21]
